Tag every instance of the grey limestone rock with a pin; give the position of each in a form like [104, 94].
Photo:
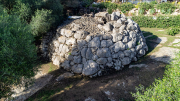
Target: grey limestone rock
[88, 38]
[127, 52]
[103, 52]
[77, 59]
[81, 44]
[101, 61]
[107, 37]
[80, 34]
[90, 68]
[89, 54]
[117, 37]
[95, 57]
[83, 52]
[107, 27]
[77, 68]
[62, 39]
[126, 61]
[68, 33]
[119, 46]
[95, 42]
[66, 65]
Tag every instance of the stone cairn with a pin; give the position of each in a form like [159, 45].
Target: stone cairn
[118, 42]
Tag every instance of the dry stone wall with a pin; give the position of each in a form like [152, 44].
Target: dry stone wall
[117, 42]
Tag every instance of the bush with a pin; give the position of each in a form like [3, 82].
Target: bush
[145, 6]
[23, 11]
[166, 8]
[41, 22]
[126, 7]
[110, 11]
[141, 11]
[152, 11]
[157, 22]
[17, 52]
[173, 30]
[167, 89]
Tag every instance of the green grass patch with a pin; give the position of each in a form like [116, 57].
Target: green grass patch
[167, 89]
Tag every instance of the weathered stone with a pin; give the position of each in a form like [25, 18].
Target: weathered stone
[62, 39]
[130, 45]
[94, 50]
[80, 34]
[77, 59]
[65, 49]
[117, 25]
[68, 33]
[64, 76]
[117, 37]
[89, 54]
[122, 28]
[69, 57]
[100, 26]
[72, 63]
[77, 68]
[109, 64]
[101, 61]
[90, 68]
[125, 32]
[132, 34]
[81, 44]
[103, 53]
[95, 57]
[132, 27]
[126, 61]
[119, 46]
[115, 56]
[114, 16]
[101, 14]
[109, 43]
[103, 43]
[109, 59]
[66, 65]
[60, 48]
[126, 39]
[107, 36]
[83, 52]
[121, 54]
[138, 47]
[88, 38]
[56, 43]
[63, 32]
[95, 42]
[56, 61]
[75, 52]
[84, 60]
[127, 52]
[70, 41]
[142, 52]
[107, 27]
[117, 65]
[118, 14]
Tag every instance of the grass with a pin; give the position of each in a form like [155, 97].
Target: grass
[167, 89]
[51, 68]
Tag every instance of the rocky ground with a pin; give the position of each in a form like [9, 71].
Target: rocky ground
[115, 86]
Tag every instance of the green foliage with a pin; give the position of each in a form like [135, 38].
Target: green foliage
[152, 11]
[23, 10]
[126, 7]
[87, 3]
[173, 30]
[17, 52]
[145, 6]
[141, 11]
[157, 22]
[166, 89]
[153, 2]
[26, 9]
[41, 22]
[166, 7]
[110, 11]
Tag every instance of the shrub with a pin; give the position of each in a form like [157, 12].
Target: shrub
[167, 89]
[110, 11]
[41, 22]
[126, 7]
[166, 7]
[145, 6]
[17, 52]
[23, 10]
[153, 2]
[141, 11]
[173, 30]
[152, 11]
[157, 22]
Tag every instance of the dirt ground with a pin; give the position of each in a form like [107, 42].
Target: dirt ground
[115, 86]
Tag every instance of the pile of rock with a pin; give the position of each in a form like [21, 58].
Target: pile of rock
[118, 42]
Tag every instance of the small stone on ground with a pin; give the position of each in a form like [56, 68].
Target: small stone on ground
[138, 65]
[176, 42]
